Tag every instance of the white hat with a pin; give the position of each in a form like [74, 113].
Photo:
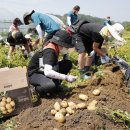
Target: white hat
[115, 30]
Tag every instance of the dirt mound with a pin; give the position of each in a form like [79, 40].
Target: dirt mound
[114, 95]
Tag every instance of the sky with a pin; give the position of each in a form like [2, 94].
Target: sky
[118, 10]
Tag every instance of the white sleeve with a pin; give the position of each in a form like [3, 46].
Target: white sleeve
[69, 20]
[53, 74]
[39, 30]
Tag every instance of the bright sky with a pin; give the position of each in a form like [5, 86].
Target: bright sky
[117, 9]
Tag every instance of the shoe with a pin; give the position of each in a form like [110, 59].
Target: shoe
[86, 75]
[35, 95]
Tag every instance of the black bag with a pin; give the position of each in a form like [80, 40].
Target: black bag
[10, 39]
[19, 38]
[76, 26]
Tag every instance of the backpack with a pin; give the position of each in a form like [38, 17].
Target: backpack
[76, 26]
[10, 39]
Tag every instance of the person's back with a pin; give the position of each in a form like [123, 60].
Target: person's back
[47, 23]
[58, 21]
[88, 28]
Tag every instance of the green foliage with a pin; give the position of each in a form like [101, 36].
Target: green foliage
[127, 27]
[123, 52]
[17, 58]
[11, 125]
[118, 116]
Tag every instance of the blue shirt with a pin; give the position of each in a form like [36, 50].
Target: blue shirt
[47, 24]
[73, 16]
[107, 21]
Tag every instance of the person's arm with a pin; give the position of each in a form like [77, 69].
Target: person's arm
[97, 50]
[69, 20]
[40, 33]
[53, 74]
[49, 72]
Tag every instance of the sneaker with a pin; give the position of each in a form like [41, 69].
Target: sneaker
[86, 75]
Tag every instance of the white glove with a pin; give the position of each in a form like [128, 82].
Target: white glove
[105, 59]
[71, 78]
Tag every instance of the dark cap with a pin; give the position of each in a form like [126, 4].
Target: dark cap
[62, 38]
[26, 15]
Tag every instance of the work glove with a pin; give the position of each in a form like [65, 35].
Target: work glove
[71, 78]
[105, 59]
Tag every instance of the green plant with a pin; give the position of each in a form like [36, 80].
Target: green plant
[117, 116]
[11, 125]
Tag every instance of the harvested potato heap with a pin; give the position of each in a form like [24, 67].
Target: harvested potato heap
[67, 108]
[7, 105]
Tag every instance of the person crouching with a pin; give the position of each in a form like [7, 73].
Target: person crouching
[45, 72]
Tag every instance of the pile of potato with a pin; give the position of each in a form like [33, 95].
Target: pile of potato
[7, 105]
[64, 109]
[67, 108]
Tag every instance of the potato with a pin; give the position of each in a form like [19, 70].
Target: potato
[63, 111]
[81, 105]
[4, 99]
[8, 100]
[2, 108]
[55, 129]
[91, 108]
[93, 103]
[10, 110]
[8, 106]
[83, 97]
[64, 104]
[57, 106]
[53, 112]
[69, 110]
[96, 92]
[2, 104]
[59, 117]
[12, 103]
[4, 112]
[67, 114]
[72, 105]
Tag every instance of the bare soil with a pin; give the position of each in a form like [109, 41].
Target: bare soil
[114, 95]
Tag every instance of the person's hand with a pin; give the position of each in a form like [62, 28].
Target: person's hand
[105, 59]
[71, 78]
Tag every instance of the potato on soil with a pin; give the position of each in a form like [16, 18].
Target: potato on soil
[91, 108]
[59, 117]
[64, 104]
[72, 105]
[81, 105]
[63, 111]
[57, 106]
[69, 110]
[96, 92]
[53, 112]
[83, 97]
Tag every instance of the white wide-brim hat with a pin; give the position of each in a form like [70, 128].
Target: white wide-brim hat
[115, 30]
